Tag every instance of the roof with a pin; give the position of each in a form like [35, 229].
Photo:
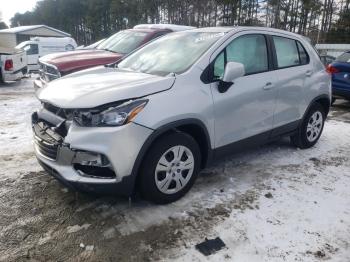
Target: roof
[22, 29]
[145, 30]
[217, 29]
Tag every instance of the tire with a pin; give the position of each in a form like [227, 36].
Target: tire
[314, 118]
[333, 100]
[159, 179]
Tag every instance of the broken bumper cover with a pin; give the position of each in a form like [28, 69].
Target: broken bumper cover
[123, 188]
[118, 146]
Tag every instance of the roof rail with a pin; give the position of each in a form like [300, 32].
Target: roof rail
[171, 27]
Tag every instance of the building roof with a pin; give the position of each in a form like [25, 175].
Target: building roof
[28, 28]
[333, 46]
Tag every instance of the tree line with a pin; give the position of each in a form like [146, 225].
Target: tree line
[91, 20]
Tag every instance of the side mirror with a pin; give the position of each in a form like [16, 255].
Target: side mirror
[233, 70]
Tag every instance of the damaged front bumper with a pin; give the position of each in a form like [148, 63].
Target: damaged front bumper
[94, 159]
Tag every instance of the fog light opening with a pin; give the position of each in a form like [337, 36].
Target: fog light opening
[95, 171]
[90, 164]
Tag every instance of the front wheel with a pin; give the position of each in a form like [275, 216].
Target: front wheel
[311, 128]
[170, 168]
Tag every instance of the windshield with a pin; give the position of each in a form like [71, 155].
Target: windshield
[123, 42]
[344, 58]
[173, 53]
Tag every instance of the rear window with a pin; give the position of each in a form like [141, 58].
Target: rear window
[343, 58]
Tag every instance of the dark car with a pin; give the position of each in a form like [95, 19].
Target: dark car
[340, 70]
[112, 49]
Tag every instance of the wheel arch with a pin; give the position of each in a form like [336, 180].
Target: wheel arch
[323, 100]
[192, 127]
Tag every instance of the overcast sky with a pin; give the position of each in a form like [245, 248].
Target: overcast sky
[9, 7]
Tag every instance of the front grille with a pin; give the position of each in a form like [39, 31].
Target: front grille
[48, 72]
[46, 140]
[46, 149]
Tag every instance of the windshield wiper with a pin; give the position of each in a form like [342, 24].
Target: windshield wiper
[106, 49]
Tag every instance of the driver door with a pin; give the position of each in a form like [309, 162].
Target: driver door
[247, 108]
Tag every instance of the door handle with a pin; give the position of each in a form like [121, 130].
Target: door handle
[308, 73]
[267, 86]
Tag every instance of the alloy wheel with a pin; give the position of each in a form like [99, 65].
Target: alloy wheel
[314, 126]
[174, 169]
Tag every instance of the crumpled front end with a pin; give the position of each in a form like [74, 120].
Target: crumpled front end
[97, 159]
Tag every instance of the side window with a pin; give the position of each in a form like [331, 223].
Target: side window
[31, 49]
[69, 47]
[250, 50]
[286, 51]
[304, 57]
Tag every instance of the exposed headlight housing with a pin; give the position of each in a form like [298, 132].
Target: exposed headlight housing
[112, 116]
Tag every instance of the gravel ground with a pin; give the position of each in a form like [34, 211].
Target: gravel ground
[273, 203]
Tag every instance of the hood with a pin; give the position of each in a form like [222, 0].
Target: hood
[98, 86]
[68, 62]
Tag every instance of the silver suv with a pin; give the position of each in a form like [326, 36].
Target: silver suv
[154, 120]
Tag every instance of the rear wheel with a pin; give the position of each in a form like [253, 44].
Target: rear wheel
[311, 128]
[170, 168]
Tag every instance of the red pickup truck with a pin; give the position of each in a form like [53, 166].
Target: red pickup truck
[112, 49]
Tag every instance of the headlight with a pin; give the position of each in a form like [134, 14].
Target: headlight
[112, 116]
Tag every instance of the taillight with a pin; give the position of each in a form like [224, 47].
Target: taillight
[8, 65]
[332, 70]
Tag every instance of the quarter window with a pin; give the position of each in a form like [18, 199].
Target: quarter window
[304, 58]
[250, 50]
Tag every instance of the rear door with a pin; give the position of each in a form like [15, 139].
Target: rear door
[292, 69]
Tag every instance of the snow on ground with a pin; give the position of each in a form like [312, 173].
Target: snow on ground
[17, 103]
[273, 203]
[302, 212]
[307, 215]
